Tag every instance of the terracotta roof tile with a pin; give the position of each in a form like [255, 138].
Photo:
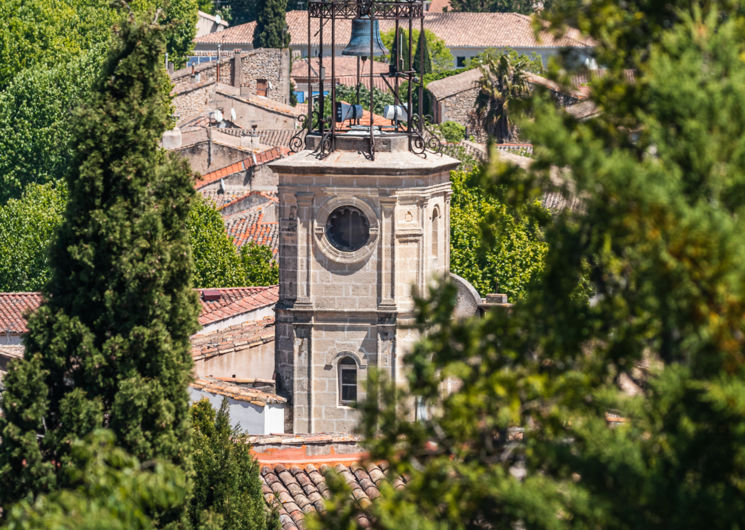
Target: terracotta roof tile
[250, 226]
[237, 392]
[229, 302]
[234, 301]
[232, 339]
[263, 157]
[457, 29]
[295, 491]
[13, 310]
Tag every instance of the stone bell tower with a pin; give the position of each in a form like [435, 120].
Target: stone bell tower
[355, 236]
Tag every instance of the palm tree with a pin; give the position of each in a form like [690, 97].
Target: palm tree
[503, 79]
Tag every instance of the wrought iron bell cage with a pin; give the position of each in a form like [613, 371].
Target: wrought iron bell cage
[365, 15]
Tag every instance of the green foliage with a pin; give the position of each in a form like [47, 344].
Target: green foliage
[450, 131]
[109, 347]
[259, 265]
[40, 34]
[227, 491]
[271, 25]
[643, 290]
[422, 59]
[244, 11]
[503, 81]
[526, 7]
[206, 6]
[491, 245]
[440, 57]
[36, 142]
[107, 488]
[217, 263]
[27, 226]
[349, 94]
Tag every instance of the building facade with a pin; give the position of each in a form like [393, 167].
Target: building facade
[356, 236]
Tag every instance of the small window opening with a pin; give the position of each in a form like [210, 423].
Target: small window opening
[461, 62]
[435, 234]
[347, 381]
[261, 86]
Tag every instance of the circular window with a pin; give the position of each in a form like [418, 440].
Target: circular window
[347, 229]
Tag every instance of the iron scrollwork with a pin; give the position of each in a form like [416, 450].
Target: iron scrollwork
[297, 142]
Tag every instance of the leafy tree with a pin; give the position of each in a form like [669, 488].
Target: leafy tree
[422, 65]
[643, 290]
[109, 347]
[216, 262]
[349, 94]
[440, 56]
[206, 6]
[503, 80]
[509, 256]
[525, 7]
[42, 34]
[36, 142]
[227, 491]
[259, 265]
[271, 25]
[450, 131]
[27, 226]
[244, 11]
[107, 488]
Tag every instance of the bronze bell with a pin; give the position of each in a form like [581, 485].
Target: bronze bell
[359, 44]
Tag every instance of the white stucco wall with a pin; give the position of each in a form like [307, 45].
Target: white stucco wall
[251, 419]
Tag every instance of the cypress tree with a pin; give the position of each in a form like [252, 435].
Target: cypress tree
[109, 347]
[425, 67]
[271, 26]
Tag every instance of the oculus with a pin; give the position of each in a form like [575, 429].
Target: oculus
[347, 229]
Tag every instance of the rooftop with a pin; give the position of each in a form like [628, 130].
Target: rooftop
[232, 301]
[234, 338]
[237, 392]
[457, 29]
[295, 491]
[257, 159]
[13, 309]
[250, 225]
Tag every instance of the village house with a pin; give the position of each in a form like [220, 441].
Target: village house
[466, 35]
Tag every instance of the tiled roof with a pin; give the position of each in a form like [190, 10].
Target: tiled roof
[438, 6]
[237, 392]
[221, 198]
[295, 491]
[457, 29]
[235, 301]
[263, 102]
[250, 226]
[228, 302]
[263, 157]
[454, 84]
[13, 308]
[234, 338]
[256, 194]
[276, 137]
[343, 66]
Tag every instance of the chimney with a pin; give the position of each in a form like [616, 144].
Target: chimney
[210, 295]
[237, 70]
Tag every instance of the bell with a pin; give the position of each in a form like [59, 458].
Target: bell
[359, 44]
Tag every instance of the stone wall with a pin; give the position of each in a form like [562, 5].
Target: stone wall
[335, 304]
[242, 70]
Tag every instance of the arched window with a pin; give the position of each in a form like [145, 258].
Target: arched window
[435, 234]
[347, 381]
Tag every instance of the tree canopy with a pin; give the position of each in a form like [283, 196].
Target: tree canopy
[109, 347]
[227, 491]
[271, 25]
[27, 227]
[611, 395]
[39, 34]
[491, 245]
[440, 56]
